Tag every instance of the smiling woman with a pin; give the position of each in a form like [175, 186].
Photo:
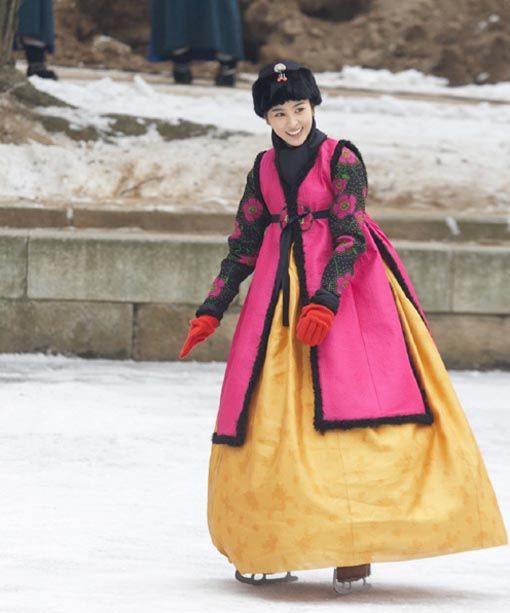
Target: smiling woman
[291, 121]
[339, 439]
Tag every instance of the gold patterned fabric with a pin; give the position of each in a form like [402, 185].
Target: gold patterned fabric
[292, 498]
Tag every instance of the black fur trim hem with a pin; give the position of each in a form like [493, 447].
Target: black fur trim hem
[349, 424]
[340, 424]
[316, 382]
[224, 439]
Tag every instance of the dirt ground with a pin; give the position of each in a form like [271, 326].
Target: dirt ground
[466, 41]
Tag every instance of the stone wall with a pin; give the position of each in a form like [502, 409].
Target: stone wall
[130, 294]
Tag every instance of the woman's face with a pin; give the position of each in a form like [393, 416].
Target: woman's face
[292, 121]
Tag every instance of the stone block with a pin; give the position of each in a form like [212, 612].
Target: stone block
[191, 222]
[484, 229]
[161, 330]
[123, 266]
[107, 218]
[481, 280]
[13, 264]
[33, 216]
[429, 226]
[429, 267]
[88, 329]
[472, 341]
[402, 227]
[153, 219]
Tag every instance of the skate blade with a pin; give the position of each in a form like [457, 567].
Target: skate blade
[264, 578]
[349, 587]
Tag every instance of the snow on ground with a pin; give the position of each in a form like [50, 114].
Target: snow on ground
[410, 81]
[103, 474]
[419, 152]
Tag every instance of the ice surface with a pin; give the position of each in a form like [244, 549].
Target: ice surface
[103, 473]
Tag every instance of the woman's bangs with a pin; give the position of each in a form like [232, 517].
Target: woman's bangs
[292, 90]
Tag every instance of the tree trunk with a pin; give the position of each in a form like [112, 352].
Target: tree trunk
[8, 12]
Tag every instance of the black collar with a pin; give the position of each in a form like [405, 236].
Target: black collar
[293, 163]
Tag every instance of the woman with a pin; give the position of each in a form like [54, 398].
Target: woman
[339, 439]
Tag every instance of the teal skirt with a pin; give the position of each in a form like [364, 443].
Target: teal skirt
[205, 26]
[35, 19]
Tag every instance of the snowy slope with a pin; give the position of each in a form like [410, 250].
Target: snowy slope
[419, 152]
[103, 471]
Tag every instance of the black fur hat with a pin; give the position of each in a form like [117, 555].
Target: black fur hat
[281, 81]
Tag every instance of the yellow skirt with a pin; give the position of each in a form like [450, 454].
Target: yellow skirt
[292, 498]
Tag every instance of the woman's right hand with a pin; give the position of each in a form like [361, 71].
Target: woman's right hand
[200, 328]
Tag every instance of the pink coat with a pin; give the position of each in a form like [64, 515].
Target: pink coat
[363, 374]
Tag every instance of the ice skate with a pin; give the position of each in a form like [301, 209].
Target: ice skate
[263, 578]
[348, 579]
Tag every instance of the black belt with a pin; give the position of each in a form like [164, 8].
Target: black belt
[305, 219]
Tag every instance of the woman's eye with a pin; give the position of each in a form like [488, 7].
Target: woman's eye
[299, 109]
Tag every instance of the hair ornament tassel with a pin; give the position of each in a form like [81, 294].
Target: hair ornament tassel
[280, 69]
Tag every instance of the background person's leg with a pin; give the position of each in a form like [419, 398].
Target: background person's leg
[226, 76]
[35, 53]
[182, 65]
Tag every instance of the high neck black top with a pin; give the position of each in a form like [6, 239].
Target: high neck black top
[291, 161]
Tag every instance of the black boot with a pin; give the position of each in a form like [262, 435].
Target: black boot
[36, 59]
[226, 76]
[182, 66]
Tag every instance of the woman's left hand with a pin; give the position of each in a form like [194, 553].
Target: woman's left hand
[200, 328]
[314, 324]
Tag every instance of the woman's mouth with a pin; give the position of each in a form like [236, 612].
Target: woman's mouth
[294, 133]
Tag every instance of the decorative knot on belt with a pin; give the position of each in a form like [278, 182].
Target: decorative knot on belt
[305, 218]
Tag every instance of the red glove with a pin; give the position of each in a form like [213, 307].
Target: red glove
[314, 323]
[200, 328]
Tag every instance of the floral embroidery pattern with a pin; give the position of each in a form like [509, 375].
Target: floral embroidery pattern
[244, 244]
[217, 285]
[341, 184]
[359, 216]
[343, 282]
[347, 157]
[237, 230]
[345, 223]
[249, 260]
[252, 209]
[344, 243]
[345, 205]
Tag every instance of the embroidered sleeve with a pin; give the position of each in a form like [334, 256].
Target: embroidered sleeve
[244, 243]
[345, 222]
